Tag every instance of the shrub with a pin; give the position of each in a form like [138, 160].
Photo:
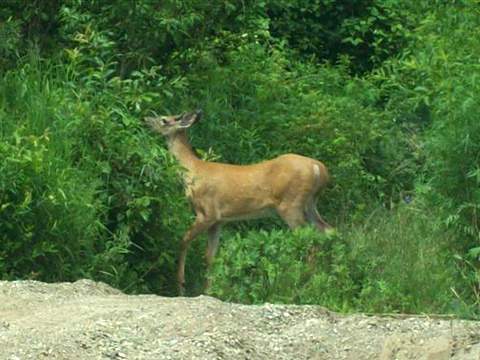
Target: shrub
[49, 226]
[278, 267]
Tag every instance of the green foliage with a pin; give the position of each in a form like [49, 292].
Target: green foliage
[395, 262]
[368, 32]
[48, 218]
[166, 35]
[9, 41]
[26, 25]
[143, 33]
[432, 90]
[453, 144]
[80, 169]
[279, 266]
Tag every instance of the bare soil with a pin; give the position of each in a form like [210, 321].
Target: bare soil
[88, 320]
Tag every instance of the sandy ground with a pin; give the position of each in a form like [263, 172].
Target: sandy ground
[88, 320]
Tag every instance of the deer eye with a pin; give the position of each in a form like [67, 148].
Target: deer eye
[163, 121]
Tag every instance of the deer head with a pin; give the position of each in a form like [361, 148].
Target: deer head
[168, 125]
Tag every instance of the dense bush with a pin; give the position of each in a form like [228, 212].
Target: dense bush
[367, 32]
[279, 266]
[394, 262]
[82, 181]
[432, 91]
[49, 216]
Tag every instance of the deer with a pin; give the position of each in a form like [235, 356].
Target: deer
[288, 185]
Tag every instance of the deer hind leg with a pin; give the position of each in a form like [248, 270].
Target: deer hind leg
[314, 217]
[199, 225]
[213, 235]
[296, 217]
[293, 216]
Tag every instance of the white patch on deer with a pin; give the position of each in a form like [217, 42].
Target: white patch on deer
[316, 172]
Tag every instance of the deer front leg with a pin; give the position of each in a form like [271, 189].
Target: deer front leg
[196, 229]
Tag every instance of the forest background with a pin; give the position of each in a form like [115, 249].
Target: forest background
[384, 92]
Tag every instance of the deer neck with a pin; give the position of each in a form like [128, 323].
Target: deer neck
[180, 147]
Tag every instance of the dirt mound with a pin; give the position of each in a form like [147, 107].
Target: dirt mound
[88, 320]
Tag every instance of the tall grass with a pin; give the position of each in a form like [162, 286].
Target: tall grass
[403, 255]
[49, 210]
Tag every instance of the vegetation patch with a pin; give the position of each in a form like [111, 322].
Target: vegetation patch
[384, 93]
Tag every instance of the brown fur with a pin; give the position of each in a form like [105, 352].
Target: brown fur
[288, 185]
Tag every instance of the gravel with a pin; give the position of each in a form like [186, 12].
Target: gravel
[89, 320]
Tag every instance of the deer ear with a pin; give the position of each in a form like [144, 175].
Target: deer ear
[190, 118]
